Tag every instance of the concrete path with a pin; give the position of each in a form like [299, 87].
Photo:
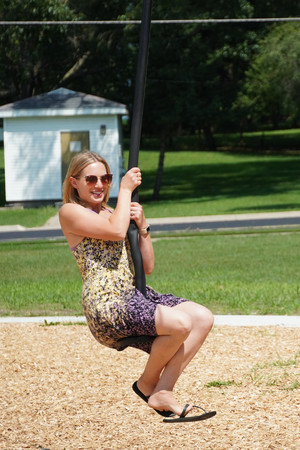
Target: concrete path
[283, 220]
[231, 320]
[290, 216]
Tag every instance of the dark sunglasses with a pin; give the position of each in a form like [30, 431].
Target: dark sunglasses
[105, 179]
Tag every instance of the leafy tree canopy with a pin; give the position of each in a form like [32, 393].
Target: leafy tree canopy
[271, 90]
[194, 72]
[33, 58]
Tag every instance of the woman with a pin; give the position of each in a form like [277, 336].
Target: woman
[114, 309]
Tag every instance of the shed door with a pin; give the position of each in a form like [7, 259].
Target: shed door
[72, 142]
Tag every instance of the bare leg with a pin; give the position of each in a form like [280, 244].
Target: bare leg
[182, 331]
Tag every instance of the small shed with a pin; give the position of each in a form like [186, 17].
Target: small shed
[42, 134]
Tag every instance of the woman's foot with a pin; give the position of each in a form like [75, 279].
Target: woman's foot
[146, 398]
[145, 388]
[165, 401]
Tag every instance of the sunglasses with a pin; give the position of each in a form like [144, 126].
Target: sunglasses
[92, 179]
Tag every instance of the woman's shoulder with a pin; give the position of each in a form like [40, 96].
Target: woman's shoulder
[69, 212]
[70, 208]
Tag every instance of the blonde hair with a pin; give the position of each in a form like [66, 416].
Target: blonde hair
[77, 164]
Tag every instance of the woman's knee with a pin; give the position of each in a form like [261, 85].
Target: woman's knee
[209, 319]
[171, 321]
[204, 318]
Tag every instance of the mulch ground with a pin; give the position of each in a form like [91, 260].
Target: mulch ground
[60, 389]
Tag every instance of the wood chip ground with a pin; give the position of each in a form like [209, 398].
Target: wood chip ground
[60, 389]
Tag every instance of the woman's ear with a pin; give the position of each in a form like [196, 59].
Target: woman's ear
[73, 182]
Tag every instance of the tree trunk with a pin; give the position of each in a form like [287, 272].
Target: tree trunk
[160, 168]
[209, 139]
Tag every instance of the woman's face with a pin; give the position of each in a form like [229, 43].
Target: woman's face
[91, 185]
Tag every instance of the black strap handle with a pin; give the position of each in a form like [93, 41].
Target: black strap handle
[135, 136]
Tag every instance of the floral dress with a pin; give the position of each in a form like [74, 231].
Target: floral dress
[113, 307]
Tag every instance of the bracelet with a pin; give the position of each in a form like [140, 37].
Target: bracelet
[144, 231]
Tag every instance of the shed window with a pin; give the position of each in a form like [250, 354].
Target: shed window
[75, 146]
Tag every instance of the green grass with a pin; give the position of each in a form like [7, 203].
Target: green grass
[281, 373]
[28, 217]
[205, 183]
[230, 274]
[219, 384]
[201, 183]
[259, 141]
[38, 278]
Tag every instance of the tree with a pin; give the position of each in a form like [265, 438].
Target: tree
[194, 70]
[272, 86]
[275, 8]
[103, 61]
[33, 58]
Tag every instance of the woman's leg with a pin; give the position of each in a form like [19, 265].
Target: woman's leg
[182, 331]
[173, 327]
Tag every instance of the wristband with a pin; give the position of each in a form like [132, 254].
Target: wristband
[144, 231]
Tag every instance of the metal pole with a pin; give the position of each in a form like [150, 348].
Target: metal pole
[135, 136]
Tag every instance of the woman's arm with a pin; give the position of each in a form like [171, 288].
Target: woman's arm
[146, 249]
[145, 243]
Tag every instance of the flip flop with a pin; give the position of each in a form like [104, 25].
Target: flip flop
[184, 418]
[146, 398]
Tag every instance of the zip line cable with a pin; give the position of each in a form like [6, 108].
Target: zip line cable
[153, 22]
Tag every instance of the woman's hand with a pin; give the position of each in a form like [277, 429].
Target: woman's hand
[137, 214]
[132, 179]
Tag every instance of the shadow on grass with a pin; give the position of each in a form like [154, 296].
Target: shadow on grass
[263, 177]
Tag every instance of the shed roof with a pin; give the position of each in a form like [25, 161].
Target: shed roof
[62, 102]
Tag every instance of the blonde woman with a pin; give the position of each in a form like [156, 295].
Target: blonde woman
[113, 307]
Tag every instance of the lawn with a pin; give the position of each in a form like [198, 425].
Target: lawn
[231, 274]
[38, 278]
[28, 217]
[204, 183]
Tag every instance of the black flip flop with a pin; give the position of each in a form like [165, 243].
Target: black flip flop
[146, 398]
[184, 418]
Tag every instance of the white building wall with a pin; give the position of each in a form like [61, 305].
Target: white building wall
[32, 151]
